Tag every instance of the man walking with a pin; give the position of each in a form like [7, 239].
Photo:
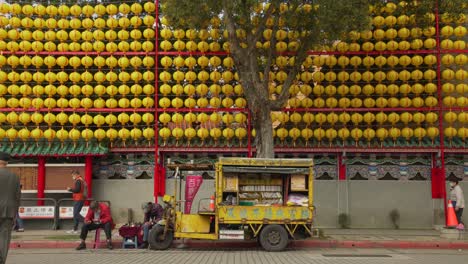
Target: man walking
[79, 194]
[10, 194]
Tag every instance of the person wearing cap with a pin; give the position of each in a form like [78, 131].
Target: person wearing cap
[98, 216]
[153, 213]
[78, 199]
[458, 201]
[10, 194]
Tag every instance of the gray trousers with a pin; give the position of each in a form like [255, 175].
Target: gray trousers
[6, 224]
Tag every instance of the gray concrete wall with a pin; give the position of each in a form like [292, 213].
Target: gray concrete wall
[368, 203]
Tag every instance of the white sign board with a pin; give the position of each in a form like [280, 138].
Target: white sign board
[36, 212]
[66, 212]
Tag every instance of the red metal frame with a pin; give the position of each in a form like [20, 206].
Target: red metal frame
[156, 177]
[249, 150]
[41, 178]
[89, 176]
[441, 120]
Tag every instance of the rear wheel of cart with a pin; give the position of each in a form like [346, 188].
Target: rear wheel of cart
[157, 240]
[273, 238]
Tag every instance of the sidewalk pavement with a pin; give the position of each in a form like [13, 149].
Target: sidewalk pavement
[331, 238]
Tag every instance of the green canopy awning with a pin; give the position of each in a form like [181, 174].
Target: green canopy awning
[54, 148]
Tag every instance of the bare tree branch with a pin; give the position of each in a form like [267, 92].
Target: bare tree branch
[300, 57]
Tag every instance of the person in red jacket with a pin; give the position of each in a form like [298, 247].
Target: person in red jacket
[98, 216]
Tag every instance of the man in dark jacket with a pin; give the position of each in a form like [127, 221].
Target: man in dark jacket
[78, 195]
[153, 213]
[98, 216]
[10, 194]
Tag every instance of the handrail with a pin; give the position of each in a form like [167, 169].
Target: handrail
[57, 212]
[54, 202]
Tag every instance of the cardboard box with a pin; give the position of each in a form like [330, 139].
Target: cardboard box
[231, 183]
[298, 183]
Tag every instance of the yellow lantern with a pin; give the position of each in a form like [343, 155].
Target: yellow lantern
[62, 134]
[433, 132]
[124, 134]
[190, 133]
[165, 133]
[343, 133]
[382, 133]
[148, 133]
[356, 134]
[394, 133]
[203, 133]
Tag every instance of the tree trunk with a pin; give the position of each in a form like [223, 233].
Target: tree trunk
[262, 123]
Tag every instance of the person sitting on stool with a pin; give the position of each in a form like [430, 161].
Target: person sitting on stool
[153, 213]
[98, 216]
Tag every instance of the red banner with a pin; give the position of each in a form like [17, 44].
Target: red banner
[192, 184]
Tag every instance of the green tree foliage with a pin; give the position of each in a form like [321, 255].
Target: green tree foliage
[308, 24]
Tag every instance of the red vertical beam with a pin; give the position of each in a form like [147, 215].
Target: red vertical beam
[441, 156]
[341, 168]
[157, 176]
[41, 171]
[89, 175]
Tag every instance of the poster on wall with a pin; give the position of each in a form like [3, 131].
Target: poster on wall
[192, 184]
[66, 212]
[36, 212]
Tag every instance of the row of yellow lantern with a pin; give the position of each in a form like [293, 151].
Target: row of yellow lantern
[76, 90]
[76, 119]
[331, 61]
[295, 118]
[319, 134]
[75, 103]
[318, 90]
[111, 23]
[27, 88]
[282, 46]
[392, 76]
[148, 133]
[98, 46]
[331, 102]
[403, 33]
[75, 134]
[76, 35]
[343, 90]
[76, 10]
[319, 118]
[329, 76]
[76, 77]
[76, 62]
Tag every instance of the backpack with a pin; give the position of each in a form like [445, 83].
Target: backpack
[85, 189]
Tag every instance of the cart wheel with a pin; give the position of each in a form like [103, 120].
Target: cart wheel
[156, 239]
[274, 238]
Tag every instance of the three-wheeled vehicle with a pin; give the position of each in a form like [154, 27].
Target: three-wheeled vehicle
[270, 200]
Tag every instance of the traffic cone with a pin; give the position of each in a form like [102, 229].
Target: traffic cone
[451, 217]
[212, 205]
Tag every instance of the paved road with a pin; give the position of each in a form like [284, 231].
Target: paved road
[254, 256]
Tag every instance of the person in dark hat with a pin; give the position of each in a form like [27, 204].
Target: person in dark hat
[153, 213]
[10, 194]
